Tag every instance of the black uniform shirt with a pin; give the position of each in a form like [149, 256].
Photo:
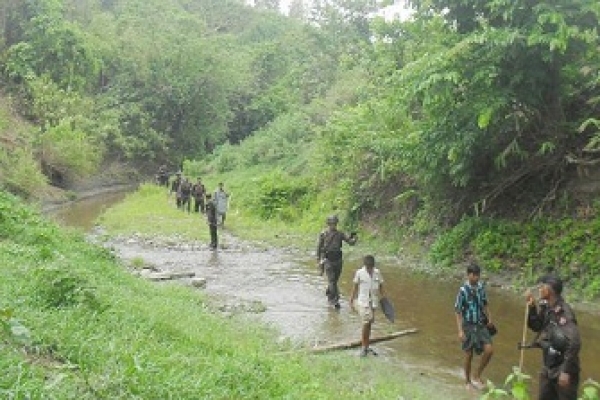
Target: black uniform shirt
[544, 319]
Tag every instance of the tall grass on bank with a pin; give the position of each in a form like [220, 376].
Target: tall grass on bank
[76, 325]
[152, 210]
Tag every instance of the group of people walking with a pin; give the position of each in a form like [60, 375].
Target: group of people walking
[213, 205]
[551, 317]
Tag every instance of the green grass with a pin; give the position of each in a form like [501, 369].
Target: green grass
[91, 330]
[150, 211]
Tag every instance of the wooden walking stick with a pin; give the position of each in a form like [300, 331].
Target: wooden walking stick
[524, 336]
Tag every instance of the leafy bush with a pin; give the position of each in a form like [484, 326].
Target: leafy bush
[20, 173]
[568, 246]
[449, 248]
[69, 150]
[57, 287]
[516, 387]
[282, 196]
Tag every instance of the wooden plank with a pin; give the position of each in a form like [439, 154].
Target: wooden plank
[358, 343]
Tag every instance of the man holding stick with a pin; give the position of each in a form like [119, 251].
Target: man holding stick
[560, 341]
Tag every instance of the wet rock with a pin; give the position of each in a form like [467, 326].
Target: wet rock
[198, 282]
[159, 276]
[182, 274]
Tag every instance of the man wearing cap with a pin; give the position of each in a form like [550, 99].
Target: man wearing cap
[559, 339]
[329, 257]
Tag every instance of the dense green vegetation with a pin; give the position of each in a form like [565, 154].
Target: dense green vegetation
[464, 126]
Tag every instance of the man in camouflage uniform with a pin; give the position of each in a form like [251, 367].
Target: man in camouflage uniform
[554, 319]
[329, 257]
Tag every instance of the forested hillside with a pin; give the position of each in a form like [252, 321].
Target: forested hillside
[473, 116]
[152, 81]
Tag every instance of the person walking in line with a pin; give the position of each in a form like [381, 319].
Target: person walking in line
[211, 219]
[199, 193]
[221, 202]
[175, 189]
[471, 308]
[560, 341]
[329, 257]
[185, 194]
[367, 289]
[162, 177]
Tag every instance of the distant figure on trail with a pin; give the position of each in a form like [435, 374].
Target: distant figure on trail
[329, 257]
[185, 194]
[198, 192]
[472, 319]
[211, 219]
[221, 202]
[560, 341]
[162, 177]
[175, 188]
[367, 289]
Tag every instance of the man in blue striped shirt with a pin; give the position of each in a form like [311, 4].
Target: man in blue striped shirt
[471, 309]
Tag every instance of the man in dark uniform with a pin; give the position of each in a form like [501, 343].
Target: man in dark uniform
[211, 219]
[198, 192]
[559, 339]
[175, 189]
[162, 178]
[329, 257]
[185, 194]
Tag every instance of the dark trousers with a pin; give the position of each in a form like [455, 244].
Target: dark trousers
[199, 204]
[185, 203]
[333, 270]
[550, 389]
[214, 240]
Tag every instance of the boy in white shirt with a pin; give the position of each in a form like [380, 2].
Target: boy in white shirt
[368, 285]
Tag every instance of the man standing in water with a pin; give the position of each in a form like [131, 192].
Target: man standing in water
[211, 219]
[368, 285]
[471, 309]
[329, 257]
[554, 319]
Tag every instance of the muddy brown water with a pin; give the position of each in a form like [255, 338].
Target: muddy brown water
[291, 296]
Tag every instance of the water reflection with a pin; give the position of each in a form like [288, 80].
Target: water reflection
[82, 214]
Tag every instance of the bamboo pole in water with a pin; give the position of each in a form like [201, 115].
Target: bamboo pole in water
[357, 343]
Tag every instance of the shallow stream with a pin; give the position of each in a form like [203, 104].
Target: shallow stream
[292, 299]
